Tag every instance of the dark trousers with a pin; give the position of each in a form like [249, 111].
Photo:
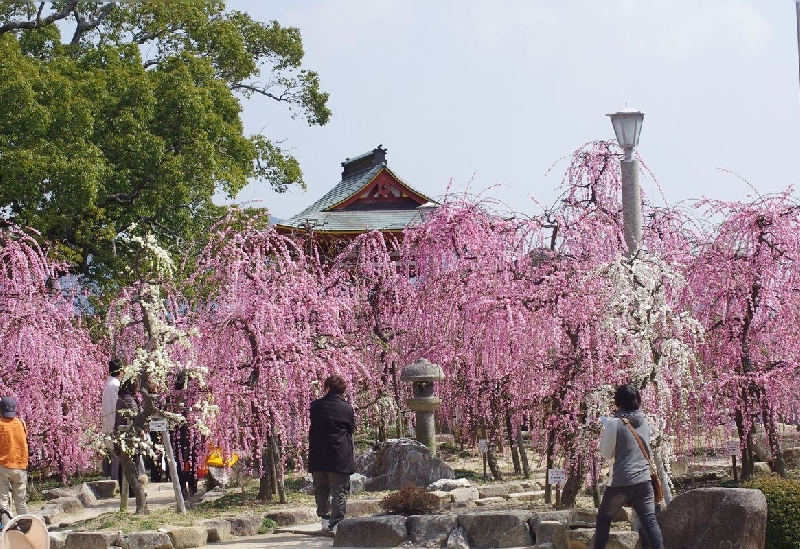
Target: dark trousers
[330, 493]
[640, 497]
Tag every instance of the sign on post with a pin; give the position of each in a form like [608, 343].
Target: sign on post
[483, 446]
[158, 425]
[732, 448]
[557, 476]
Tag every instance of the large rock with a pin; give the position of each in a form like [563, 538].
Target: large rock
[146, 540]
[86, 495]
[103, 489]
[362, 507]
[67, 504]
[430, 529]
[791, 456]
[90, 540]
[715, 517]
[499, 490]
[246, 525]
[447, 484]
[217, 530]
[385, 531]
[293, 515]
[393, 464]
[186, 537]
[497, 528]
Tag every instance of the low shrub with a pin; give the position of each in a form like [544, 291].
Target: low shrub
[267, 525]
[410, 500]
[783, 510]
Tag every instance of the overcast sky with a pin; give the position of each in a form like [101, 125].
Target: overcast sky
[490, 95]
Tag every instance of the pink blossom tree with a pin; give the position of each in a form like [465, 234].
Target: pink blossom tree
[48, 362]
[745, 290]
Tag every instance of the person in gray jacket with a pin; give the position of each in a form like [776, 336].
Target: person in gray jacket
[629, 481]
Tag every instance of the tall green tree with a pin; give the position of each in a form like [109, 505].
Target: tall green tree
[130, 113]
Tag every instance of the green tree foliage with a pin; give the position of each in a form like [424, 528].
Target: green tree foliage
[115, 114]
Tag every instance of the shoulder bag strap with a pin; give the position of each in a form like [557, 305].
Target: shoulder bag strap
[640, 442]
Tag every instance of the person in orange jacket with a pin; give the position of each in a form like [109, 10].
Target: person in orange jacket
[13, 458]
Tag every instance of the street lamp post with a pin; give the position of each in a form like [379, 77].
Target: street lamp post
[627, 126]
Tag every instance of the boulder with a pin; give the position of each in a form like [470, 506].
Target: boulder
[545, 530]
[567, 538]
[186, 537]
[447, 484]
[382, 531]
[583, 518]
[61, 492]
[499, 490]
[246, 525]
[50, 514]
[430, 529]
[67, 504]
[393, 464]
[86, 496]
[761, 468]
[145, 540]
[485, 502]
[103, 489]
[58, 540]
[490, 529]
[537, 495]
[457, 539]
[464, 494]
[217, 530]
[791, 456]
[357, 481]
[362, 507]
[90, 540]
[442, 496]
[561, 516]
[294, 515]
[715, 517]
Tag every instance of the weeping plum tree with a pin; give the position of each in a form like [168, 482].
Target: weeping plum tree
[48, 362]
[271, 328]
[746, 284]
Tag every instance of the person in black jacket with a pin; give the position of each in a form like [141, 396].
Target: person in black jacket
[330, 451]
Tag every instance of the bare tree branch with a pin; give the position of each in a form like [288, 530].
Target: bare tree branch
[85, 26]
[39, 22]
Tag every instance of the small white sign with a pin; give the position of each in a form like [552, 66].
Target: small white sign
[483, 445]
[158, 425]
[732, 447]
[557, 476]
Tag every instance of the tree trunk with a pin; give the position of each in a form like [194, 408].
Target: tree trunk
[771, 427]
[526, 468]
[551, 445]
[265, 481]
[130, 472]
[595, 481]
[573, 486]
[512, 444]
[747, 453]
[277, 469]
[493, 467]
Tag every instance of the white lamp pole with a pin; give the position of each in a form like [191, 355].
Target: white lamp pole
[797, 9]
[627, 126]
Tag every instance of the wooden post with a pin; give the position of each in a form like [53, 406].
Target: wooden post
[123, 491]
[735, 474]
[173, 473]
[558, 496]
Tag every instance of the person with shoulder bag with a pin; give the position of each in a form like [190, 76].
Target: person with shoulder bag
[626, 441]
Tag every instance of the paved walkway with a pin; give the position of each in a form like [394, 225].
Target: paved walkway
[160, 495]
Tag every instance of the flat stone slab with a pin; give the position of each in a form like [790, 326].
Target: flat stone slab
[217, 530]
[148, 539]
[103, 489]
[489, 501]
[68, 505]
[499, 490]
[496, 528]
[90, 540]
[537, 495]
[384, 531]
[430, 529]
[247, 525]
[186, 537]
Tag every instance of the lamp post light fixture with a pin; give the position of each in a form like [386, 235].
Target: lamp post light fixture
[627, 126]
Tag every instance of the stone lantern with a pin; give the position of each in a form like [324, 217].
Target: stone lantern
[421, 375]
